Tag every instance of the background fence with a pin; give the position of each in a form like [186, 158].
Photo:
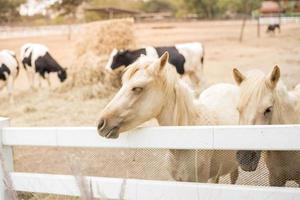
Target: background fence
[281, 137]
[25, 31]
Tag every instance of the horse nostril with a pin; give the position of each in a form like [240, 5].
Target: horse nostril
[101, 124]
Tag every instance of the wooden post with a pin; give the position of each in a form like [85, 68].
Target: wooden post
[279, 19]
[69, 31]
[258, 26]
[111, 14]
[242, 28]
[6, 166]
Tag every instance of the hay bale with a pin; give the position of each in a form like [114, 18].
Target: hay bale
[87, 74]
[89, 77]
[102, 37]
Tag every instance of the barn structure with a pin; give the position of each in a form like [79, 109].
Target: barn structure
[113, 12]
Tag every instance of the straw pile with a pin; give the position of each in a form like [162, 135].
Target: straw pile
[103, 37]
[90, 79]
[92, 50]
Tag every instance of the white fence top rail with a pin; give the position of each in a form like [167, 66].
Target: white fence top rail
[134, 189]
[279, 137]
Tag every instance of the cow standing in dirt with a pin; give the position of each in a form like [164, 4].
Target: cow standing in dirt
[39, 63]
[9, 70]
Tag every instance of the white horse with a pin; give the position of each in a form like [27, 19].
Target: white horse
[152, 89]
[266, 100]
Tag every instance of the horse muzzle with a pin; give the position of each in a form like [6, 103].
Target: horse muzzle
[106, 130]
[248, 160]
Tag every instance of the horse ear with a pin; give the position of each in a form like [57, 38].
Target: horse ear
[161, 63]
[238, 76]
[163, 60]
[274, 77]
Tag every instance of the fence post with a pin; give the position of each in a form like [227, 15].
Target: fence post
[6, 156]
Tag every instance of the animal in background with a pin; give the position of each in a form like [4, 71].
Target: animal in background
[272, 28]
[264, 100]
[39, 63]
[9, 70]
[187, 58]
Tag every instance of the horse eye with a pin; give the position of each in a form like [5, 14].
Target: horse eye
[268, 110]
[137, 89]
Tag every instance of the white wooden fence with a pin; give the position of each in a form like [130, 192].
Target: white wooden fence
[281, 137]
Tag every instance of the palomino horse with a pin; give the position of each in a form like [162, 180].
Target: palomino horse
[152, 89]
[266, 100]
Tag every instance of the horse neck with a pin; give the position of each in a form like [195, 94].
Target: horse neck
[179, 108]
[285, 111]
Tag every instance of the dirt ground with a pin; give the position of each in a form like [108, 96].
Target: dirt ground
[223, 51]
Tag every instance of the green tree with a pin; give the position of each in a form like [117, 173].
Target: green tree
[128, 4]
[158, 6]
[67, 7]
[216, 8]
[203, 8]
[207, 8]
[9, 10]
[246, 7]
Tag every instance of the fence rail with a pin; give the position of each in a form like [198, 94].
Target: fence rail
[279, 137]
[7, 32]
[134, 189]
[186, 137]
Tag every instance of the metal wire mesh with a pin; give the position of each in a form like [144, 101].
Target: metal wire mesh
[146, 164]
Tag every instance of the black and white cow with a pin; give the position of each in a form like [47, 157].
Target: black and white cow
[39, 63]
[9, 70]
[186, 58]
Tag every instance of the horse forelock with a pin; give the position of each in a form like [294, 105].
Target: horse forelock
[252, 88]
[140, 64]
[168, 76]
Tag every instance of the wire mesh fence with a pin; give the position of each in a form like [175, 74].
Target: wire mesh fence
[149, 164]
[145, 162]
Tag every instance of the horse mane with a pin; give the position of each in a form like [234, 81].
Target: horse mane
[286, 105]
[186, 109]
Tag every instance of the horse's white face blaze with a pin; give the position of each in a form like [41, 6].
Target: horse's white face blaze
[140, 99]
